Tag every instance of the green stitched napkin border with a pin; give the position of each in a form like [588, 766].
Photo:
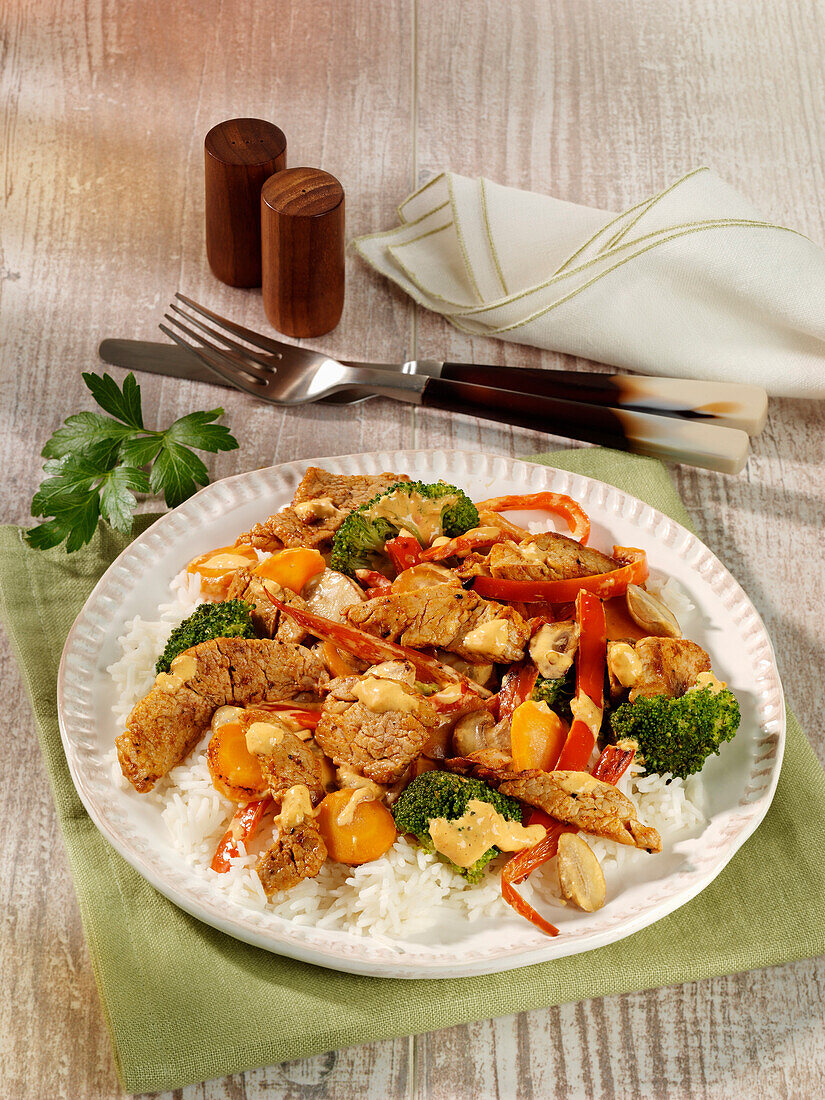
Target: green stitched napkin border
[185, 1002]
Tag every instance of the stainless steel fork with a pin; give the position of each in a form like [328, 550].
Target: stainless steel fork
[283, 373]
[677, 420]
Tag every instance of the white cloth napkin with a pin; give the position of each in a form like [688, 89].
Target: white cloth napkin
[690, 283]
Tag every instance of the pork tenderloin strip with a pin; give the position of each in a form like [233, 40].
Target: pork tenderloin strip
[380, 746]
[292, 857]
[448, 618]
[168, 722]
[345, 492]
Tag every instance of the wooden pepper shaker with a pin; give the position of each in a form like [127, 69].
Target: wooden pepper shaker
[240, 155]
[302, 249]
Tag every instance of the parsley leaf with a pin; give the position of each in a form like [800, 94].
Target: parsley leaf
[95, 464]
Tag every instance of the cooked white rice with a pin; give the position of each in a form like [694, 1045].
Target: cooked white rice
[402, 894]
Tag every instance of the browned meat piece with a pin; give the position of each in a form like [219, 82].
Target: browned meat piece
[168, 722]
[294, 856]
[546, 557]
[266, 618]
[300, 527]
[289, 763]
[286, 528]
[446, 617]
[379, 744]
[669, 666]
[346, 491]
[473, 565]
[578, 798]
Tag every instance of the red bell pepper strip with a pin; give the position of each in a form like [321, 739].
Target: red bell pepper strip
[242, 827]
[612, 764]
[557, 503]
[516, 687]
[309, 719]
[373, 581]
[404, 552]
[515, 870]
[604, 585]
[590, 665]
[465, 544]
[376, 650]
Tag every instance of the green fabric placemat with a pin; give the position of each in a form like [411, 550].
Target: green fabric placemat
[185, 1002]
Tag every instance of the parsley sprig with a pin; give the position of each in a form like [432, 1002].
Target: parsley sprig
[95, 464]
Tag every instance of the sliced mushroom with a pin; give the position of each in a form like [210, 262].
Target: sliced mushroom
[329, 593]
[478, 731]
[651, 613]
[553, 648]
[423, 576]
[580, 873]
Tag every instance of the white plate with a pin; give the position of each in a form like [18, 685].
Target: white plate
[739, 784]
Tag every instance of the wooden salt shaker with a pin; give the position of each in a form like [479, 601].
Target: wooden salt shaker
[240, 155]
[302, 249]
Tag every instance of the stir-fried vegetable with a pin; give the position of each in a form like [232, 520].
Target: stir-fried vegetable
[603, 585]
[355, 834]
[588, 705]
[463, 545]
[557, 504]
[292, 568]
[423, 511]
[678, 735]
[516, 687]
[537, 736]
[610, 767]
[404, 552]
[375, 650]
[243, 827]
[230, 619]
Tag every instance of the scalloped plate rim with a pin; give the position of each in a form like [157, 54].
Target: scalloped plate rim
[353, 953]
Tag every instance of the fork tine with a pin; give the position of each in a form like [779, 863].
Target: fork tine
[236, 360]
[205, 358]
[259, 341]
[242, 354]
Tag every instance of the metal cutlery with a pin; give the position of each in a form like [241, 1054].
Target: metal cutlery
[685, 421]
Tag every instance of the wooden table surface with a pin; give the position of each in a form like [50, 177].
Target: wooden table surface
[105, 106]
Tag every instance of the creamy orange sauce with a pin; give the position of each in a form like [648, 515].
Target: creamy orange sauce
[359, 795]
[320, 508]
[480, 828]
[183, 668]
[351, 780]
[380, 696]
[490, 639]
[424, 514]
[708, 680]
[625, 664]
[262, 738]
[586, 711]
[296, 807]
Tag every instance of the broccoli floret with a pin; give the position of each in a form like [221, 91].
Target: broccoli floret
[557, 693]
[230, 619]
[411, 505]
[677, 735]
[442, 794]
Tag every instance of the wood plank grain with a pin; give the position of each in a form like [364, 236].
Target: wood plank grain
[104, 113]
[602, 104]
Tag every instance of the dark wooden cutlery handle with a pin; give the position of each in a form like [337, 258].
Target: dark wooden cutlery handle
[728, 404]
[676, 440]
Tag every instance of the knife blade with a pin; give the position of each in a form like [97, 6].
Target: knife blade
[174, 362]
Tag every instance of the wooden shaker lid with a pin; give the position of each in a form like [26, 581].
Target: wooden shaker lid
[302, 245]
[240, 154]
